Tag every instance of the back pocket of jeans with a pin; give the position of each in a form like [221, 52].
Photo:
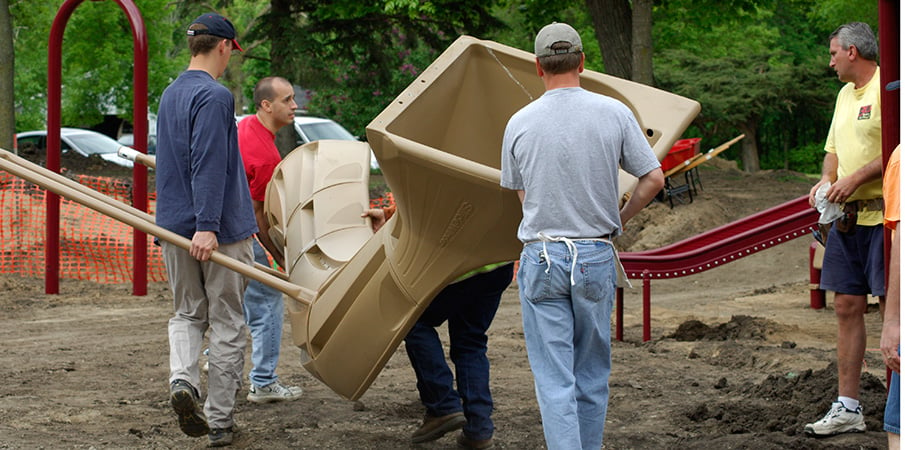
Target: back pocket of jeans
[598, 274]
[533, 277]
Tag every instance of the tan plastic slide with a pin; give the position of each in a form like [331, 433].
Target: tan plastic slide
[439, 146]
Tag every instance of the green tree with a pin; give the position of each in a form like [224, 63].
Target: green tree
[828, 14]
[354, 57]
[97, 60]
[7, 91]
[523, 19]
[755, 65]
[761, 71]
[724, 102]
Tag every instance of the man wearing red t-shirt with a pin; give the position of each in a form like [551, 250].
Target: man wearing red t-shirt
[274, 101]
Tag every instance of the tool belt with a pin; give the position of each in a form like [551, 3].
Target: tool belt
[846, 223]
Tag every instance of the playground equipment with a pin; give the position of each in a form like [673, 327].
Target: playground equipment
[715, 248]
[139, 172]
[438, 144]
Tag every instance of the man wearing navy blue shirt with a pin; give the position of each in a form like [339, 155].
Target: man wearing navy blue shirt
[202, 195]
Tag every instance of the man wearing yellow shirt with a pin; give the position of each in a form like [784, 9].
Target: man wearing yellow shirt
[853, 262]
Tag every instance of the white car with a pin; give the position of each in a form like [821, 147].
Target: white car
[74, 140]
[128, 139]
[310, 129]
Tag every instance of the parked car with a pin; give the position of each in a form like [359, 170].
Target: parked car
[73, 140]
[310, 129]
[128, 139]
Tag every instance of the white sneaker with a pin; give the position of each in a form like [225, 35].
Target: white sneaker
[838, 420]
[273, 392]
[206, 366]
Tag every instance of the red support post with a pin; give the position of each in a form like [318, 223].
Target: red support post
[645, 307]
[140, 122]
[818, 296]
[890, 46]
[140, 119]
[620, 308]
[890, 51]
[54, 96]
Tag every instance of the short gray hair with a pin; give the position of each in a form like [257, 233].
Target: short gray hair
[861, 36]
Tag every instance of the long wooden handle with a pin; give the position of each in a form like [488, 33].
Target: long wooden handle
[151, 161]
[700, 158]
[136, 156]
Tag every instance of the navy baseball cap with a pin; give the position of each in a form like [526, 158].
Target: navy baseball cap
[217, 25]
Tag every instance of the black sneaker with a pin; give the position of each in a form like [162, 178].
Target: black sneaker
[184, 399]
[221, 437]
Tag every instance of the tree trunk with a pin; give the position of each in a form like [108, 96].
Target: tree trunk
[642, 42]
[7, 78]
[281, 41]
[612, 21]
[750, 157]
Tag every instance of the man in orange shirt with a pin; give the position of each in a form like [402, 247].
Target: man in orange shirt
[889, 339]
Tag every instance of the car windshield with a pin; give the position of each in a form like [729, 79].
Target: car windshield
[326, 130]
[94, 143]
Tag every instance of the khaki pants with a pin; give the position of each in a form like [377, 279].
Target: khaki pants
[207, 295]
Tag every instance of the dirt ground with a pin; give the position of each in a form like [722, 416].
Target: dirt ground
[738, 359]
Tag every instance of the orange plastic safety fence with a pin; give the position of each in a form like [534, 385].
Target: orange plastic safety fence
[383, 202]
[92, 246]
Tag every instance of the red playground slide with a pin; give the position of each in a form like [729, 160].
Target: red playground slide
[714, 248]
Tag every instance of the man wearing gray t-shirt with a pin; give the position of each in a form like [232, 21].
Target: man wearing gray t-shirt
[562, 153]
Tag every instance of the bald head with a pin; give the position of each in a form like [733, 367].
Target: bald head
[274, 100]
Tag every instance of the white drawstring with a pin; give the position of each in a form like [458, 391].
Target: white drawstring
[573, 251]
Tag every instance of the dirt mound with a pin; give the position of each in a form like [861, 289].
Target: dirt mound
[725, 194]
[739, 327]
[773, 409]
[659, 225]
[782, 403]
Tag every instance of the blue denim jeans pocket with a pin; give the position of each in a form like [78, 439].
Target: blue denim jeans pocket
[533, 277]
[597, 277]
[540, 279]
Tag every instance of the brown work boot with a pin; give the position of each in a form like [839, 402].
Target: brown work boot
[466, 442]
[435, 427]
[184, 399]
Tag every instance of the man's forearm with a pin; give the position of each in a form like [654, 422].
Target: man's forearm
[264, 236]
[648, 187]
[869, 172]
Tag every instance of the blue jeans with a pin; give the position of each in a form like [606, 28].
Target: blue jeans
[468, 307]
[567, 336]
[264, 316]
[891, 415]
